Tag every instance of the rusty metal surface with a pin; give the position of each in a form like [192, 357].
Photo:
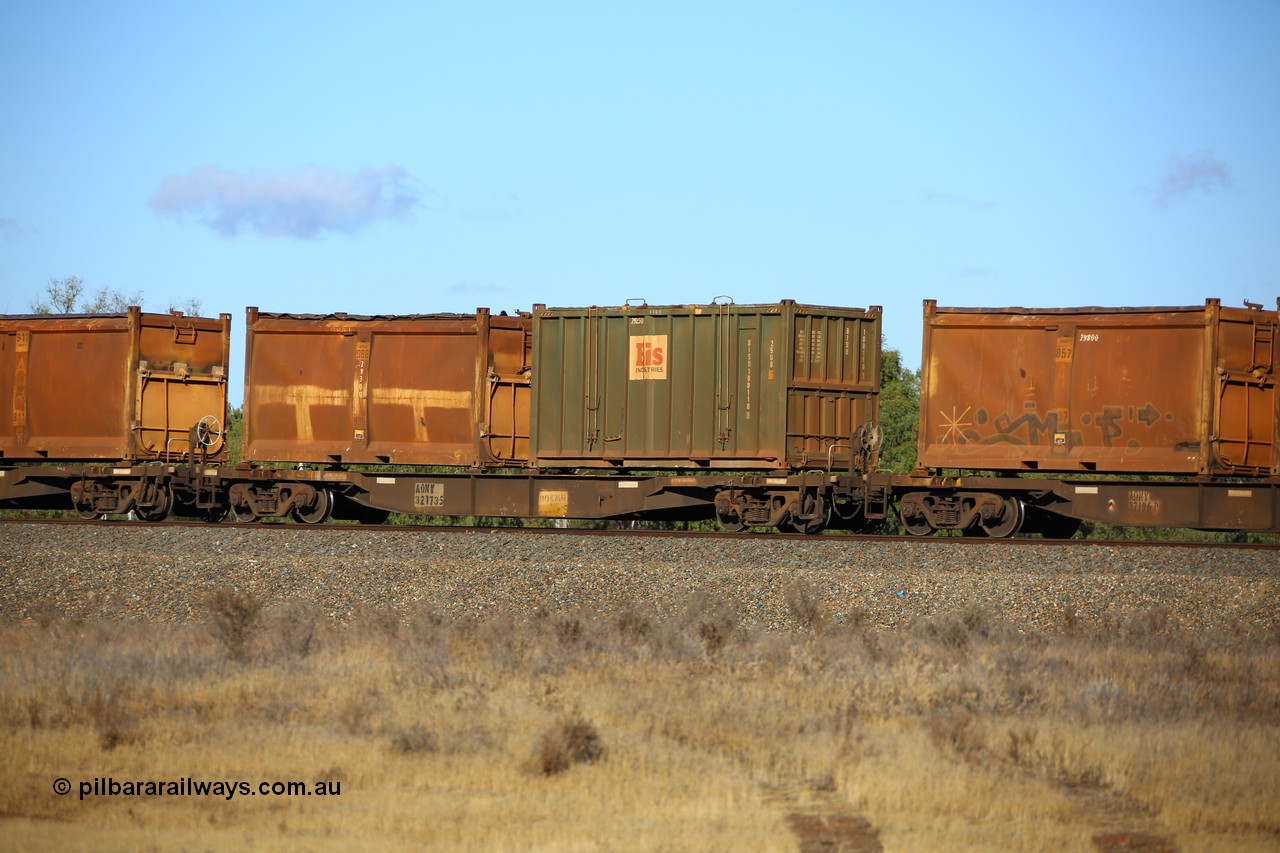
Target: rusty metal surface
[709, 386]
[1197, 503]
[1200, 505]
[445, 389]
[1187, 390]
[525, 494]
[110, 386]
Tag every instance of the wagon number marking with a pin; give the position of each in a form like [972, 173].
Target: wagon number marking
[427, 495]
[1063, 351]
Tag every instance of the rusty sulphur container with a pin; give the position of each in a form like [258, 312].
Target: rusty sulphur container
[1117, 390]
[717, 386]
[426, 389]
[122, 387]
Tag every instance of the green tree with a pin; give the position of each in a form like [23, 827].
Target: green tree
[60, 296]
[64, 296]
[113, 301]
[899, 412]
[234, 430]
[190, 307]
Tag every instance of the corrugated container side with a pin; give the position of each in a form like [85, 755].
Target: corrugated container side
[123, 386]
[713, 386]
[446, 389]
[835, 381]
[1135, 390]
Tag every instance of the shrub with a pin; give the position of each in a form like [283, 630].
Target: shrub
[960, 734]
[805, 607]
[236, 616]
[295, 625]
[569, 742]
[716, 620]
[415, 739]
[112, 718]
[634, 626]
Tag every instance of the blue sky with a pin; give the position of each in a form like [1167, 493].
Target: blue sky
[420, 157]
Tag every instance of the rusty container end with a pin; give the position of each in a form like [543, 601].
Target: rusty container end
[441, 389]
[723, 386]
[127, 386]
[1187, 390]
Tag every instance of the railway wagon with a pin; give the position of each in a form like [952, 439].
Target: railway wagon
[1175, 391]
[779, 387]
[429, 389]
[122, 387]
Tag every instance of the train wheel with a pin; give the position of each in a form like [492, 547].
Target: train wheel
[729, 518]
[319, 511]
[916, 525]
[243, 513]
[732, 524]
[1010, 521]
[159, 510]
[82, 500]
[817, 514]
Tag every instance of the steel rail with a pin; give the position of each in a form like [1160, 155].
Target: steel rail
[772, 536]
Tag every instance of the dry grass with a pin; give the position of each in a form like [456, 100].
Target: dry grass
[586, 731]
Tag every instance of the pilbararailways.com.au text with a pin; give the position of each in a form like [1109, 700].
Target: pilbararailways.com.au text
[189, 787]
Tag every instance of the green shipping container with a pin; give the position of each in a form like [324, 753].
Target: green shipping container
[718, 386]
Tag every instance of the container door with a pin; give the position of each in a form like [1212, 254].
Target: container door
[181, 381]
[169, 405]
[834, 385]
[507, 408]
[1246, 412]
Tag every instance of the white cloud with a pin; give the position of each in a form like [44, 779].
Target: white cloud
[1198, 174]
[300, 204]
[955, 200]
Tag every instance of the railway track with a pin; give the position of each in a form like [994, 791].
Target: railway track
[771, 535]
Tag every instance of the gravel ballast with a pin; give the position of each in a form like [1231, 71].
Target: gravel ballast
[165, 574]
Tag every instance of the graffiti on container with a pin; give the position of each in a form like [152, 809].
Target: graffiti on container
[1028, 428]
[1032, 429]
[1109, 420]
